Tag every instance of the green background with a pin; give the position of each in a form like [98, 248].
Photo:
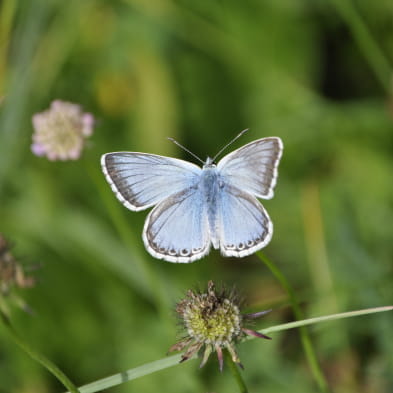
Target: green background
[315, 73]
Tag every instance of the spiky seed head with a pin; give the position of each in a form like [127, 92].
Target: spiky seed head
[213, 321]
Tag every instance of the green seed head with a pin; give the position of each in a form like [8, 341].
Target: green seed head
[211, 319]
[213, 322]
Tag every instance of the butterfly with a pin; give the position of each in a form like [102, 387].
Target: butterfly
[196, 208]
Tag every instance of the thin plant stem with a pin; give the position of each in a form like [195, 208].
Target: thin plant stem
[167, 362]
[236, 374]
[304, 335]
[365, 41]
[51, 367]
[326, 318]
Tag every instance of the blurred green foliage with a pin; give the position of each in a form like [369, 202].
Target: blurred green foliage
[315, 73]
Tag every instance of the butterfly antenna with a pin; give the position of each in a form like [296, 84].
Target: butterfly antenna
[185, 149]
[230, 143]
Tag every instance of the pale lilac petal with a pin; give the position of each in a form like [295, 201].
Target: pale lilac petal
[87, 123]
[52, 156]
[74, 154]
[56, 104]
[38, 149]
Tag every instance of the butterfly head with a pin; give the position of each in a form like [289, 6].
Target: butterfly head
[209, 163]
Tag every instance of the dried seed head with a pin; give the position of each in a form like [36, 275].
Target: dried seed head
[212, 320]
[11, 272]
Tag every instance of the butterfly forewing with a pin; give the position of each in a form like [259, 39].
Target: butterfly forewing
[141, 180]
[177, 229]
[244, 225]
[253, 167]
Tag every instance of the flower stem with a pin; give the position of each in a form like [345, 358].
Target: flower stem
[304, 336]
[171, 361]
[235, 372]
[51, 367]
[325, 318]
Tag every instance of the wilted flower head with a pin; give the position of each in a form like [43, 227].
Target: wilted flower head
[60, 131]
[213, 321]
[11, 272]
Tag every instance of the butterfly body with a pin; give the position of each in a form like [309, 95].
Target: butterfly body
[197, 208]
[210, 191]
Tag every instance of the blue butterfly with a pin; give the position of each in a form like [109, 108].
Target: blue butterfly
[199, 207]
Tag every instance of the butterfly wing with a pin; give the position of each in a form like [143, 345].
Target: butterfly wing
[176, 230]
[141, 180]
[244, 226]
[253, 167]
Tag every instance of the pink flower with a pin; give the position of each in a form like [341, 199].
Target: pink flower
[61, 131]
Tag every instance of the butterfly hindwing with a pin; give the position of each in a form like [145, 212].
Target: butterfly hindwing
[244, 226]
[176, 230]
[253, 167]
[141, 180]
